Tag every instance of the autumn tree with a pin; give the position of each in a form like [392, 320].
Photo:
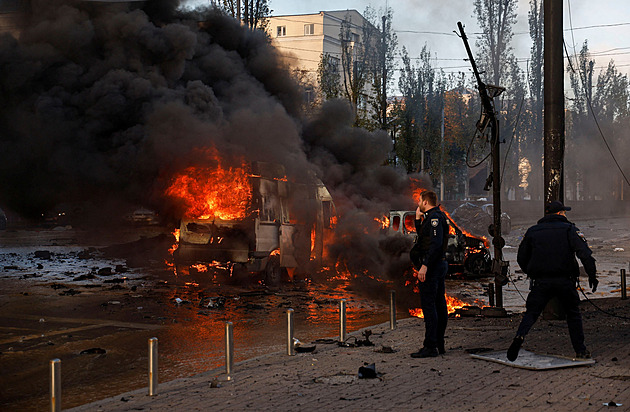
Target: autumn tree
[497, 61]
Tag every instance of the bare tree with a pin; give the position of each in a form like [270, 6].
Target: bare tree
[254, 13]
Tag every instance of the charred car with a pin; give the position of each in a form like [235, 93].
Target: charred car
[284, 229]
[466, 254]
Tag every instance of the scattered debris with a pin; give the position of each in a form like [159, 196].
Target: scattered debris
[43, 254]
[613, 403]
[619, 249]
[84, 277]
[93, 351]
[385, 349]
[69, 292]
[214, 302]
[368, 371]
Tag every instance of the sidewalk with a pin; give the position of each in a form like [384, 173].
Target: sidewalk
[327, 378]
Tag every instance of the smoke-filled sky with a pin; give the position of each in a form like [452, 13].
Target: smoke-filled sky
[432, 22]
[104, 106]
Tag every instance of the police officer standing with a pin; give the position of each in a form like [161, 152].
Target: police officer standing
[428, 256]
[547, 254]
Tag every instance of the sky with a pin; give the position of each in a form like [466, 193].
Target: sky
[433, 22]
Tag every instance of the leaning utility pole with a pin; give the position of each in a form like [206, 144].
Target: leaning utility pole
[553, 102]
[489, 119]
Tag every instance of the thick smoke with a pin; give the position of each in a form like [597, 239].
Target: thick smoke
[103, 104]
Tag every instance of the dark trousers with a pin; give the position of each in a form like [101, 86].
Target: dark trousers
[564, 289]
[433, 305]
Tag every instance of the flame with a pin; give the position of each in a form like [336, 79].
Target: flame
[200, 267]
[176, 244]
[383, 222]
[222, 192]
[451, 304]
[416, 189]
[485, 240]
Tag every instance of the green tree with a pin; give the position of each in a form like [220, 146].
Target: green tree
[531, 146]
[383, 65]
[420, 115]
[497, 60]
[355, 62]
[329, 77]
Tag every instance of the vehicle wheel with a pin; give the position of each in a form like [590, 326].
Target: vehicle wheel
[273, 271]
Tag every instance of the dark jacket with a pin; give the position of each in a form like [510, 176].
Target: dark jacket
[549, 248]
[432, 230]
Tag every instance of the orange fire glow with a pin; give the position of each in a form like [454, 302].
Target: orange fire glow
[222, 191]
[175, 245]
[200, 267]
[485, 240]
[451, 304]
[383, 222]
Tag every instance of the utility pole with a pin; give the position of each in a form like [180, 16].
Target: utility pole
[489, 119]
[384, 62]
[553, 120]
[553, 102]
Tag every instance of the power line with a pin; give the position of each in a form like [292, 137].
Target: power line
[590, 105]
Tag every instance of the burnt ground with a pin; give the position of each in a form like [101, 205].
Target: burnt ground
[62, 297]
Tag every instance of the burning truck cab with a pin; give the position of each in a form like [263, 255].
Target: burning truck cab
[283, 228]
[466, 254]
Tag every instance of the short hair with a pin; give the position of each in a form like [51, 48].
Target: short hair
[429, 196]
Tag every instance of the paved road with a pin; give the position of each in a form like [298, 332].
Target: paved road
[327, 379]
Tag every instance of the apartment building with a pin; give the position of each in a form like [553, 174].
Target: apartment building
[303, 38]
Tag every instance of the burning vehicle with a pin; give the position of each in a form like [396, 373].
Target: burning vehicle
[253, 219]
[466, 254]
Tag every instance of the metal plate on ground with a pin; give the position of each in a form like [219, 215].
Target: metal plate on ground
[534, 361]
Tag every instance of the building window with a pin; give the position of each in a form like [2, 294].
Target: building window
[282, 31]
[309, 29]
[355, 37]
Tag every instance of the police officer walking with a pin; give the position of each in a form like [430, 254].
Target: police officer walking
[428, 256]
[547, 254]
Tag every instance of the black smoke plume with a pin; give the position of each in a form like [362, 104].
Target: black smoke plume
[103, 103]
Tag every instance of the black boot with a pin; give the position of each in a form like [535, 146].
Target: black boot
[425, 353]
[512, 352]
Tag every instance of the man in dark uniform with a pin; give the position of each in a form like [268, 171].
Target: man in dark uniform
[547, 254]
[428, 256]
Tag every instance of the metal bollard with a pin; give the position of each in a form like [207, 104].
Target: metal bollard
[491, 294]
[290, 345]
[624, 292]
[55, 385]
[229, 350]
[392, 309]
[342, 320]
[153, 366]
